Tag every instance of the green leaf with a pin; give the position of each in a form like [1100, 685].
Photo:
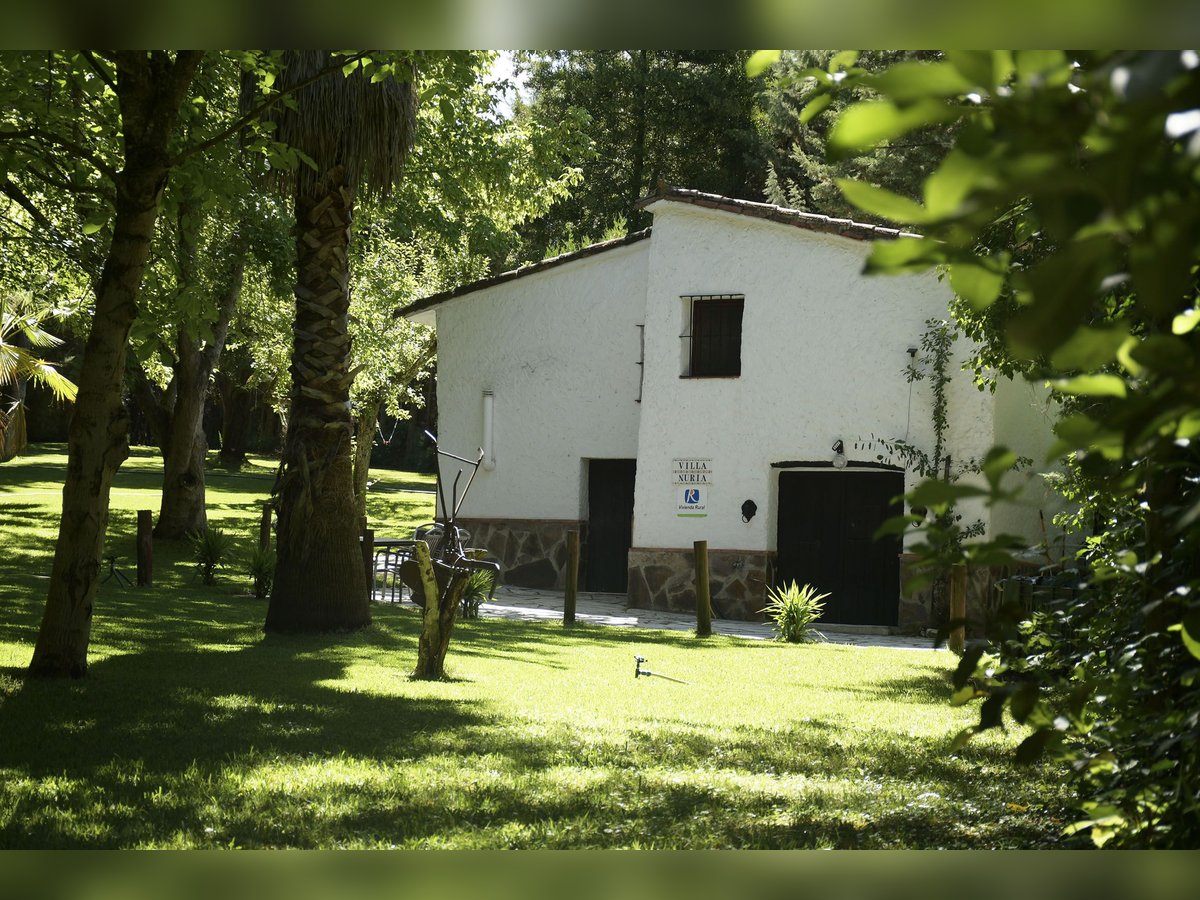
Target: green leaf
[1162, 353]
[961, 739]
[1024, 699]
[906, 254]
[870, 123]
[1033, 747]
[911, 81]
[955, 179]
[976, 284]
[815, 107]
[843, 59]
[1091, 386]
[932, 492]
[991, 712]
[881, 202]
[998, 461]
[1190, 632]
[982, 68]
[1125, 356]
[760, 61]
[1185, 321]
[967, 664]
[1089, 348]
[964, 695]
[1042, 66]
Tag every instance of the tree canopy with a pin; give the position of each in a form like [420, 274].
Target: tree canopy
[1065, 216]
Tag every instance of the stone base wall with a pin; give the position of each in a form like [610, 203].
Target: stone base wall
[532, 552]
[666, 579]
[920, 609]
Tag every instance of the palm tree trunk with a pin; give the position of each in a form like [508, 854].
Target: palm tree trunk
[319, 581]
[150, 89]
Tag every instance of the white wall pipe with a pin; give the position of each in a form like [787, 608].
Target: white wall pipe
[489, 419]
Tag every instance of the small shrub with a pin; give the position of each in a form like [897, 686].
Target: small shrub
[794, 610]
[262, 570]
[209, 550]
[479, 586]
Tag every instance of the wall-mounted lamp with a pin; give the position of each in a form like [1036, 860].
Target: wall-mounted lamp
[749, 508]
[839, 454]
[489, 421]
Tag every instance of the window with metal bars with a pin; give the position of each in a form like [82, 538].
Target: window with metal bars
[716, 336]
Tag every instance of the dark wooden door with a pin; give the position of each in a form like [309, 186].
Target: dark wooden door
[827, 520]
[610, 523]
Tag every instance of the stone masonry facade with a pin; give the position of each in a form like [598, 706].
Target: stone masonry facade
[532, 552]
[666, 579]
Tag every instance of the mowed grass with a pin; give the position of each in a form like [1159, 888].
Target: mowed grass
[196, 730]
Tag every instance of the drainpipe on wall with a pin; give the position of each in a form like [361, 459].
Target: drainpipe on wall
[489, 418]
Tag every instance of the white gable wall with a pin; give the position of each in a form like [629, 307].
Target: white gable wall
[823, 354]
[560, 349]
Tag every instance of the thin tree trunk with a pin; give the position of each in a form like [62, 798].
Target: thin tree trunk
[236, 406]
[319, 580]
[153, 405]
[151, 88]
[368, 413]
[183, 504]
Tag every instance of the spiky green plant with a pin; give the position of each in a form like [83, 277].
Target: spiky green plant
[262, 570]
[794, 610]
[210, 548]
[478, 589]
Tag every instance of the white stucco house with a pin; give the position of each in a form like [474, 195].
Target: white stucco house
[696, 380]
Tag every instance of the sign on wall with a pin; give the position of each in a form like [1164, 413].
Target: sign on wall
[691, 481]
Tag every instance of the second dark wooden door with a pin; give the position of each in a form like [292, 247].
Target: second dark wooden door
[827, 521]
[610, 524]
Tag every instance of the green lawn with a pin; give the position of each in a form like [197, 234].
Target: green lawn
[195, 730]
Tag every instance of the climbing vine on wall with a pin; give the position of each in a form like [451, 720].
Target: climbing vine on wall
[933, 363]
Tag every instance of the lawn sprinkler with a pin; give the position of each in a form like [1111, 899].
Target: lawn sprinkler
[638, 671]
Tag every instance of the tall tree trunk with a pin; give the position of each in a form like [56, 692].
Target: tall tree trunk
[151, 88]
[368, 414]
[183, 509]
[319, 582]
[237, 403]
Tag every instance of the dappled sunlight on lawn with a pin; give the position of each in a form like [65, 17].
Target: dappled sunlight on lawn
[194, 729]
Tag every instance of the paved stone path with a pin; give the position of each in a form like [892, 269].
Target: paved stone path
[609, 609]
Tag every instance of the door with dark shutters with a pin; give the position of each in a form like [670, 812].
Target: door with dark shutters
[827, 522]
[610, 523]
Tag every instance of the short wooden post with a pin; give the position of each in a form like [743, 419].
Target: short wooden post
[145, 547]
[958, 607]
[703, 599]
[368, 555]
[264, 529]
[572, 577]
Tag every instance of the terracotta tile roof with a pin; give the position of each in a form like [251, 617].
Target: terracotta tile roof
[591, 250]
[809, 221]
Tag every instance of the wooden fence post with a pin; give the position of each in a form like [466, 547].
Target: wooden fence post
[572, 577]
[703, 598]
[145, 548]
[958, 607]
[264, 529]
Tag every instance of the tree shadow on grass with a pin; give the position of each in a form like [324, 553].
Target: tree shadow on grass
[266, 745]
[156, 719]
